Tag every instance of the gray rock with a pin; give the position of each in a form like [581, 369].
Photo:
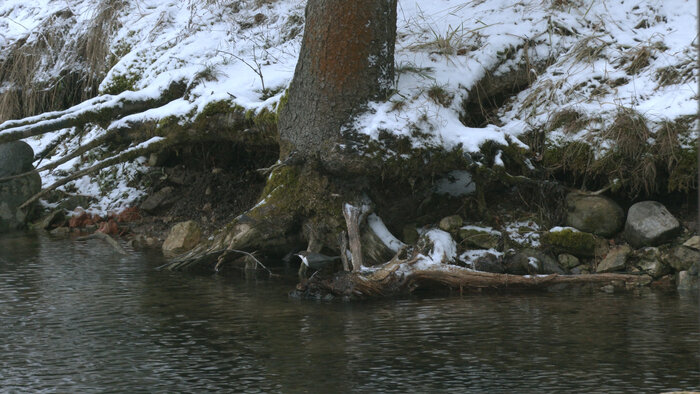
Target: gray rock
[14, 193]
[653, 268]
[649, 223]
[479, 238]
[451, 224]
[530, 262]
[681, 258]
[568, 261]
[489, 262]
[649, 260]
[687, 282]
[598, 215]
[159, 199]
[15, 158]
[181, 238]
[615, 260]
[693, 243]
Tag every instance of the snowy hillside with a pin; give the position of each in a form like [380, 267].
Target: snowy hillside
[566, 71]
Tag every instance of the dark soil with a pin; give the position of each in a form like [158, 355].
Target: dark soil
[211, 185]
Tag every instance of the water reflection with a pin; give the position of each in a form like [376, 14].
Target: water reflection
[77, 317]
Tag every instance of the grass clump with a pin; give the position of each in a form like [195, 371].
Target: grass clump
[440, 95]
[569, 120]
[675, 74]
[636, 59]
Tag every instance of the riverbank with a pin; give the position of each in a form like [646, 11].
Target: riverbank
[514, 240]
[79, 318]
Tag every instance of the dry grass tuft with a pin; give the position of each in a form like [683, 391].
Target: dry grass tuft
[570, 120]
[589, 49]
[636, 59]
[676, 74]
[440, 95]
[31, 81]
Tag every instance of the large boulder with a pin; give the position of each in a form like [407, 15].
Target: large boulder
[182, 237]
[649, 223]
[597, 215]
[16, 158]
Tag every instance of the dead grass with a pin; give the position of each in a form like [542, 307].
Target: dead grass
[676, 74]
[440, 95]
[84, 61]
[454, 41]
[632, 156]
[569, 119]
[636, 59]
[589, 49]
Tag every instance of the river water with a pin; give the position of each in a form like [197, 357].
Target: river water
[76, 317]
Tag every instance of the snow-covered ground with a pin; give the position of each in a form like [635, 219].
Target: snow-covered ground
[230, 50]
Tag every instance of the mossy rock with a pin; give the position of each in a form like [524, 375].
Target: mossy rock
[479, 238]
[573, 242]
[594, 214]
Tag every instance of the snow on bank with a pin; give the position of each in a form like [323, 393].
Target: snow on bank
[230, 50]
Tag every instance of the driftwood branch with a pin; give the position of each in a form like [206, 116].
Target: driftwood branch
[353, 217]
[106, 238]
[343, 244]
[388, 280]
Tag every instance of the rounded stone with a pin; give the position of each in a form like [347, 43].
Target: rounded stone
[182, 237]
[649, 223]
[15, 158]
[598, 215]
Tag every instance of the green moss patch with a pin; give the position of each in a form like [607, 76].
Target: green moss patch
[573, 242]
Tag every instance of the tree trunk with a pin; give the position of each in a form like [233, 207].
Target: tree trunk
[346, 60]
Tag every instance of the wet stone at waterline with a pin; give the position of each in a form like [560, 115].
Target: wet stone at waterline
[16, 158]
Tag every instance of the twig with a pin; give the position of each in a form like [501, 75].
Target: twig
[222, 259]
[256, 69]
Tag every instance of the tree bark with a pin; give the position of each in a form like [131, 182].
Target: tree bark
[346, 60]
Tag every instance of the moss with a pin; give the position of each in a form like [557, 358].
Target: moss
[219, 108]
[121, 83]
[573, 242]
[266, 121]
[282, 102]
